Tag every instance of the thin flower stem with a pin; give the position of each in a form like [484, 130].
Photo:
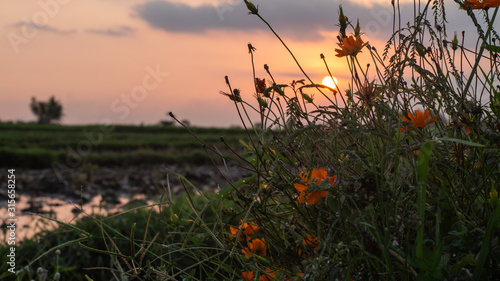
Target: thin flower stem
[243, 121]
[261, 109]
[360, 68]
[293, 56]
[480, 53]
[272, 98]
[336, 86]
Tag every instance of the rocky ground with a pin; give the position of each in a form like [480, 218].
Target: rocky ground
[114, 182]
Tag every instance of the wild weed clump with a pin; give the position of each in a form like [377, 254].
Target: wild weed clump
[394, 178]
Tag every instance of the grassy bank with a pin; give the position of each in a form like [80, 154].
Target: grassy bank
[160, 241]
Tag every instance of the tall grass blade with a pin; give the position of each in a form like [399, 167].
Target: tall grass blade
[424, 156]
[493, 223]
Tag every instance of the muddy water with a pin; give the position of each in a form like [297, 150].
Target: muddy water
[41, 192]
[30, 213]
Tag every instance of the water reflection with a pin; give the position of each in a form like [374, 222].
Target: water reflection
[29, 212]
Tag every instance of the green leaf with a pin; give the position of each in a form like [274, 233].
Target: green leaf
[423, 161]
[430, 261]
[493, 223]
[469, 143]
[492, 48]
[278, 88]
[424, 156]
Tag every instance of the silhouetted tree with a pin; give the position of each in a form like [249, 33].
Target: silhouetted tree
[47, 112]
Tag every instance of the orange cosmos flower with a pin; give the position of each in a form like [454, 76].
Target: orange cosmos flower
[419, 120]
[316, 175]
[255, 246]
[248, 275]
[234, 232]
[310, 242]
[269, 275]
[312, 198]
[476, 4]
[260, 85]
[350, 46]
[248, 229]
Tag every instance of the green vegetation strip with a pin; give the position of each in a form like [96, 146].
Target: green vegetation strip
[38, 146]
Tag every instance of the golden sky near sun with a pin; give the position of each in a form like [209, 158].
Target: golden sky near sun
[88, 72]
[92, 55]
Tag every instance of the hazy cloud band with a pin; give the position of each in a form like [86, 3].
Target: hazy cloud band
[298, 19]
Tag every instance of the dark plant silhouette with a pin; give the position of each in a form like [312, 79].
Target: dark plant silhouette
[47, 112]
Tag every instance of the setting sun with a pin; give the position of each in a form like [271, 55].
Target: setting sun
[327, 81]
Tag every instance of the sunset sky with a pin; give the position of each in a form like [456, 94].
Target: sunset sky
[132, 61]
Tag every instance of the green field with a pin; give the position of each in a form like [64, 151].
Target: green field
[38, 146]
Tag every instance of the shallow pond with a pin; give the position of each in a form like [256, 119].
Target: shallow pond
[31, 212]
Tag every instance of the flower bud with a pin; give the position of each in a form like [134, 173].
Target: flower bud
[454, 42]
[420, 49]
[342, 21]
[251, 48]
[357, 30]
[251, 7]
[493, 196]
